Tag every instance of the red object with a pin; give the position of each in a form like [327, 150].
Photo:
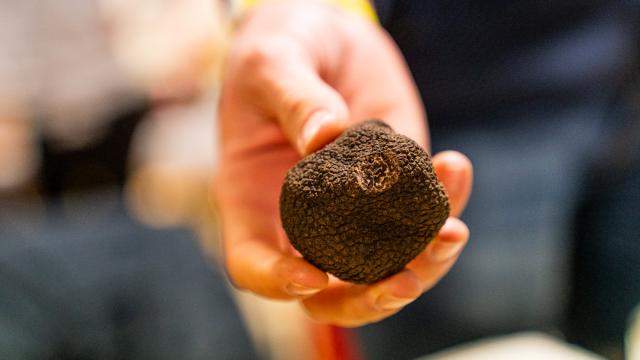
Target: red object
[335, 343]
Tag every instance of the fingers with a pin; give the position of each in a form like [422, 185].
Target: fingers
[441, 253]
[352, 305]
[284, 82]
[456, 174]
[257, 256]
[355, 305]
[266, 271]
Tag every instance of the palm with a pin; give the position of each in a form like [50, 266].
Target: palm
[250, 181]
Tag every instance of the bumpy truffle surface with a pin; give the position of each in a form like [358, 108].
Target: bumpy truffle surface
[365, 205]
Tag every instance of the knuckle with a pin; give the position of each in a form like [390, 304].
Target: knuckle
[255, 57]
[263, 71]
[258, 54]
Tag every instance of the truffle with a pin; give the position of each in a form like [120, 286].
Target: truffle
[365, 205]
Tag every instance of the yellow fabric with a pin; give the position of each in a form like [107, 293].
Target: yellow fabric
[359, 7]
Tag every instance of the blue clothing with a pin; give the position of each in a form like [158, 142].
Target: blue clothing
[92, 283]
[472, 59]
[526, 89]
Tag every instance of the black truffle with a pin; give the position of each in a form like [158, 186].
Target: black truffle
[365, 205]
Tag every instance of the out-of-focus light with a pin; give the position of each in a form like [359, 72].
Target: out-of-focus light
[633, 336]
[18, 156]
[522, 346]
[168, 47]
[171, 161]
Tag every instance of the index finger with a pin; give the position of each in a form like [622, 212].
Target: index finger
[455, 172]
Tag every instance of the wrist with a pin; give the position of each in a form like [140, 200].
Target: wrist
[362, 8]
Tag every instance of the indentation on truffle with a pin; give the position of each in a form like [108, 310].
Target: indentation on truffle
[376, 172]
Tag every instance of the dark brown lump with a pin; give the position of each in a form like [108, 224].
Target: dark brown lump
[365, 205]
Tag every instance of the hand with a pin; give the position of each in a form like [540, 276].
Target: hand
[298, 75]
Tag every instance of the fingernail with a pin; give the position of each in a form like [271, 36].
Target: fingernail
[300, 290]
[445, 250]
[390, 302]
[312, 126]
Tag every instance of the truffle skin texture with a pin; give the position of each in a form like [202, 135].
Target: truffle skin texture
[365, 205]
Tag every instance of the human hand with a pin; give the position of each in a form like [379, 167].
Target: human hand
[298, 75]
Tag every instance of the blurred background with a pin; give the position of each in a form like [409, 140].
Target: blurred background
[109, 247]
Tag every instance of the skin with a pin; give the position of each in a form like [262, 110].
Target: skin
[297, 75]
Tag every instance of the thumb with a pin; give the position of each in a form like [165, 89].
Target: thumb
[310, 112]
